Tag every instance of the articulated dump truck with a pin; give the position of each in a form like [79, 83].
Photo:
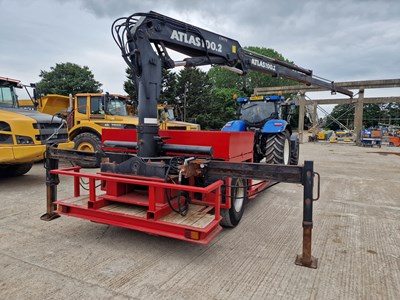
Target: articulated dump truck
[25, 133]
[87, 114]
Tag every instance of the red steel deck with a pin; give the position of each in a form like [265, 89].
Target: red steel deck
[141, 203]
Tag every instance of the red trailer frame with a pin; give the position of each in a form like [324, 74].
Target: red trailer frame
[141, 203]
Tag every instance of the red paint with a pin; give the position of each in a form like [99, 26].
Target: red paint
[229, 146]
[151, 193]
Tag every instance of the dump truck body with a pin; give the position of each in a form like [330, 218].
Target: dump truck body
[24, 133]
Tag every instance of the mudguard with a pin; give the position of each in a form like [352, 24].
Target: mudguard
[237, 125]
[274, 126]
[294, 138]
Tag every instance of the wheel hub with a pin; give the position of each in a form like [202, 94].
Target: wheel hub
[286, 153]
[86, 147]
[239, 198]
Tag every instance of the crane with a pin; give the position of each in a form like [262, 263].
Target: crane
[179, 184]
[144, 38]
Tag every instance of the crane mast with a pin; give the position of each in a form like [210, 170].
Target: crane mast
[144, 39]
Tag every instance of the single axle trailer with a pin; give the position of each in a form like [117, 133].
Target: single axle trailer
[213, 190]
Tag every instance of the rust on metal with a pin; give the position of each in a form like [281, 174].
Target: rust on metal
[306, 259]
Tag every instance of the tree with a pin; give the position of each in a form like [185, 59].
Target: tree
[343, 113]
[222, 108]
[206, 98]
[373, 115]
[193, 93]
[68, 78]
[129, 84]
[221, 78]
[168, 85]
[257, 79]
[226, 83]
[392, 111]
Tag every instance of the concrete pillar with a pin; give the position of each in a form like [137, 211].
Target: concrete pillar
[302, 106]
[358, 116]
[315, 116]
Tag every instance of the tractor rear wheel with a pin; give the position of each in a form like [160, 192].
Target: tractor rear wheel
[278, 148]
[87, 142]
[294, 150]
[232, 216]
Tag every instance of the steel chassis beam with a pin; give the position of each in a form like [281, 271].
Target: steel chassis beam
[278, 173]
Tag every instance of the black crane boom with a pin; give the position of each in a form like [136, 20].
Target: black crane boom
[144, 39]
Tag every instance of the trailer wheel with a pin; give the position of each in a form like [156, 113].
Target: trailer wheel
[87, 142]
[278, 148]
[232, 216]
[15, 170]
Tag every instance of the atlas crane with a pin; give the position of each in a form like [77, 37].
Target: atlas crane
[135, 36]
[179, 184]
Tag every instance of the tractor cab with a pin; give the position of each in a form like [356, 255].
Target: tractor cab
[255, 111]
[274, 140]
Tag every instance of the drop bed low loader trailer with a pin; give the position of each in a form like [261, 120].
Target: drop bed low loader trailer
[179, 184]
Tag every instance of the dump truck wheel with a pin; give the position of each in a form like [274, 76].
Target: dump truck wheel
[232, 216]
[278, 149]
[87, 142]
[15, 170]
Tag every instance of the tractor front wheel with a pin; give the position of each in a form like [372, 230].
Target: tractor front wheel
[278, 148]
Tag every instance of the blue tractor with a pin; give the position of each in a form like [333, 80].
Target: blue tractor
[268, 117]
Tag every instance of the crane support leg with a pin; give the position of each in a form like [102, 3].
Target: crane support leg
[53, 155]
[279, 173]
[52, 180]
[306, 259]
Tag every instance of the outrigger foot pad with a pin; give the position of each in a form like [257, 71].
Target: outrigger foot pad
[49, 216]
[313, 263]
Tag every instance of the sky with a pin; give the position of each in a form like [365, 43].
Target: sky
[339, 40]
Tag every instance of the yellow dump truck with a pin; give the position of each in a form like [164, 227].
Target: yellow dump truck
[86, 114]
[168, 122]
[24, 133]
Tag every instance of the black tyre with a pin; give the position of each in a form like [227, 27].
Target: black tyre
[87, 142]
[15, 170]
[232, 216]
[258, 155]
[294, 150]
[278, 148]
